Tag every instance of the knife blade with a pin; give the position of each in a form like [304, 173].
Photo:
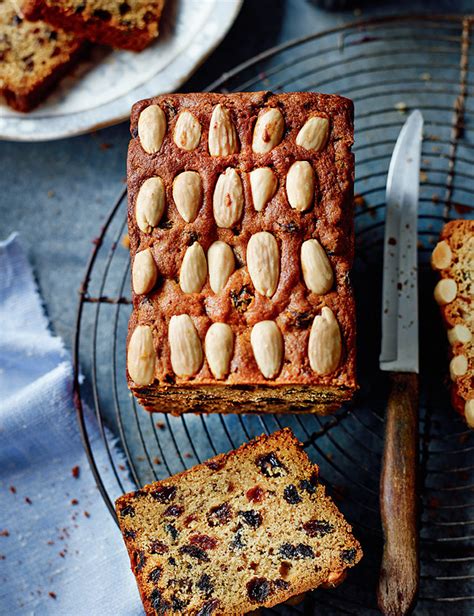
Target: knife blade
[399, 574]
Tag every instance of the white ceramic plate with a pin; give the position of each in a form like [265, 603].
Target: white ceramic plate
[101, 91]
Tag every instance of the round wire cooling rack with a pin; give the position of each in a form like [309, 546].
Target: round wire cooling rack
[387, 66]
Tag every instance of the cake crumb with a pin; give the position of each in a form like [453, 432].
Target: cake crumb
[76, 471]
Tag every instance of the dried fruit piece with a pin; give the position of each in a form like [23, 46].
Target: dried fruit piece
[204, 541]
[144, 272]
[317, 271]
[187, 194]
[185, 345]
[251, 518]
[220, 514]
[193, 273]
[318, 528]
[187, 132]
[195, 552]
[164, 494]
[442, 255]
[151, 128]
[258, 589]
[295, 552]
[267, 346]
[458, 366]
[263, 184]
[228, 200]
[445, 291]
[221, 263]
[222, 134]
[208, 608]
[150, 204]
[270, 465]
[349, 555]
[314, 133]
[291, 495]
[459, 334]
[325, 345]
[263, 262]
[219, 346]
[300, 183]
[141, 356]
[268, 130]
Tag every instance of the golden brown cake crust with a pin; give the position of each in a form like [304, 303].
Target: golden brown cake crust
[297, 388]
[33, 58]
[453, 257]
[128, 25]
[246, 529]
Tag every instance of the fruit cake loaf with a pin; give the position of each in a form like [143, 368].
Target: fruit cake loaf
[246, 529]
[453, 257]
[241, 239]
[131, 24]
[33, 57]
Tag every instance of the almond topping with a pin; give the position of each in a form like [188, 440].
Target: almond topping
[187, 132]
[469, 412]
[150, 204]
[141, 356]
[317, 271]
[263, 262]
[313, 135]
[228, 201]
[144, 272]
[221, 263]
[458, 366]
[185, 346]
[445, 291]
[219, 346]
[442, 256]
[325, 346]
[268, 131]
[263, 184]
[192, 275]
[222, 134]
[152, 128]
[300, 183]
[267, 346]
[187, 194]
[459, 334]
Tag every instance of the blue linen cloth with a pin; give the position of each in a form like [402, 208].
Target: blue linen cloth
[60, 550]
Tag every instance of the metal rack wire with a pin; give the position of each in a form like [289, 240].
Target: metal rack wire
[386, 66]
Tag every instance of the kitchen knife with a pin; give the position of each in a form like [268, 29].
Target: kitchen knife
[399, 575]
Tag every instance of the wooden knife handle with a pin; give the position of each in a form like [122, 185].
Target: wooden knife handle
[399, 576]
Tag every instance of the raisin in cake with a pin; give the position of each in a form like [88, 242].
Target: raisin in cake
[453, 257]
[250, 528]
[241, 239]
[131, 24]
[33, 57]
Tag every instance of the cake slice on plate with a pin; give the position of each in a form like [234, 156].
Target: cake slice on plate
[128, 24]
[246, 529]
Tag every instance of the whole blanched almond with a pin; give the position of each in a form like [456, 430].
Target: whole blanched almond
[268, 131]
[313, 135]
[185, 346]
[144, 272]
[469, 412]
[141, 356]
[458, 366]
[152, 128]
[221, 264]
[459, 334]
[187, 132]
[263, 262]
[445, 291]
[325, 345]
[187, 194]
[222, 134]
[267, 346]
[263, 184]
[441, 256]
[300, 185]
[219, 346]
[228, 200]
[192, 275]
[150, 204]
[317, 271]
